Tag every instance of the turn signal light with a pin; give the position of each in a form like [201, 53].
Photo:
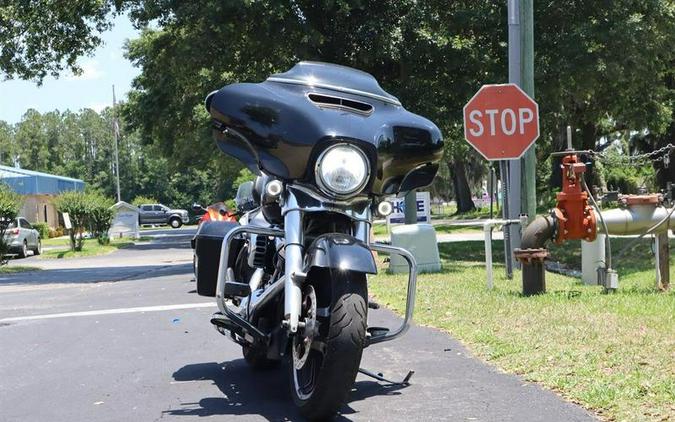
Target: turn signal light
[384, 208]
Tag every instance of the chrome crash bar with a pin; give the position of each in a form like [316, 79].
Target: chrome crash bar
[262, 231]
[223, 266]
[410, 297]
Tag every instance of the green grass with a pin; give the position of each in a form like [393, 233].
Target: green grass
[450, 212]
[91, 248]
[6, 269]
[612, 353]
[381, 229]
[56, 241]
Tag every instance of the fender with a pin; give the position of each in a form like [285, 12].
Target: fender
[341, 252]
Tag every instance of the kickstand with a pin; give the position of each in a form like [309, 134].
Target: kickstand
[379, 377]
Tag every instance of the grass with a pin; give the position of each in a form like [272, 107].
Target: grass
[381, 229]
[56, 241]
[6, 269]
[91, 247]
[611, 353]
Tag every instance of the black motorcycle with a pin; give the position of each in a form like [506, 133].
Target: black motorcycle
[328, 144]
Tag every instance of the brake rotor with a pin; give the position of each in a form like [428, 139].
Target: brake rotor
[302, 340]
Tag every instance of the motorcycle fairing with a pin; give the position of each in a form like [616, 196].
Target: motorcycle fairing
[277, 127]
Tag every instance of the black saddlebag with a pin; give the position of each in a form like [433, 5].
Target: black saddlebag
[207, 245]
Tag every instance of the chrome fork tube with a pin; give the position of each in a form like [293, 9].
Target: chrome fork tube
[293, 261]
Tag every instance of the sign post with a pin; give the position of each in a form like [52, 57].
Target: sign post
[501, 122]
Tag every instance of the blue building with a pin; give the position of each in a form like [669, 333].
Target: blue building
[38, 191]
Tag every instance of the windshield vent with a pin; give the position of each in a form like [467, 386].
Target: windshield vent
[341, 103]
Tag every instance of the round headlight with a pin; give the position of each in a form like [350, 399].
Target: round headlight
[342, 169]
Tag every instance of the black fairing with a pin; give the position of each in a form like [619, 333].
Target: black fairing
[282, 124]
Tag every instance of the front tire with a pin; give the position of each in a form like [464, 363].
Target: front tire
[175, 223]
[323, 383]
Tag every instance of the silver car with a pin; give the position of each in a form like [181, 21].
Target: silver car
[21, 237]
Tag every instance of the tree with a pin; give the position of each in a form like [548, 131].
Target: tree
[603, 70]
[45, 37]
[77, 206]
[9, 208]
[99, 215]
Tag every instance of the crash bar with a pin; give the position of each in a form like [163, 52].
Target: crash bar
[410, 299]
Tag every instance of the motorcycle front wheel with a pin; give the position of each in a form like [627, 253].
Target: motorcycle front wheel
[325, 356]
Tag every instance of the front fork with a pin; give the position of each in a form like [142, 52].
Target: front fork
[293, 266]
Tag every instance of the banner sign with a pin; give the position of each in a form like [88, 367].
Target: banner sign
[423, 209]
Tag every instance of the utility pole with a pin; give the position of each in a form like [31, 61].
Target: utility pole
[529, 203]
[511, 170]
[116, 134]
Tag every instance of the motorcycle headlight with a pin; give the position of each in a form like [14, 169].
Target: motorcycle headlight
[342, 169]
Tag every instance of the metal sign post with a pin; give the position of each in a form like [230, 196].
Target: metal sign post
[512, 232]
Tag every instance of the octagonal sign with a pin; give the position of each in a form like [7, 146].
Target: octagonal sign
[501, 121]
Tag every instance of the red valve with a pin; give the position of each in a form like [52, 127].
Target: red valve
[576, 219]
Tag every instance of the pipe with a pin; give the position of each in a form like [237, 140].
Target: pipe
[533, 252]
[636, 219]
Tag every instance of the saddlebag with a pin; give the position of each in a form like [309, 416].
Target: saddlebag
[207, 244]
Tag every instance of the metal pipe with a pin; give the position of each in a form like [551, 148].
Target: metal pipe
[636, 219]
[538, 232]
[533, 252]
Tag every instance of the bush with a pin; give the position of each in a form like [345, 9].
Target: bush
[55, 232]
[76, 205]
[100, 215]
[43, 229]
[140, 200]
[9, 208]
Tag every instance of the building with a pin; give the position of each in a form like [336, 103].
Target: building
[38, 191]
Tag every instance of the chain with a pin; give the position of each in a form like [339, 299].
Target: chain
[661, 154]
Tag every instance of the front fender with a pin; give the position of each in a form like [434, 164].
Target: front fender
[341, 252]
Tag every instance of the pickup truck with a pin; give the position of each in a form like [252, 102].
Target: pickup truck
[161, 214]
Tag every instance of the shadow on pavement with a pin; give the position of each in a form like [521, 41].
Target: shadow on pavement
[249, 392]
[94, 274]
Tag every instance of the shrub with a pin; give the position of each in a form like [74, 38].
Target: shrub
[43, 229]
[76, 205]
[55, 232]
[140, 199]
[100, 215]
[9, 208]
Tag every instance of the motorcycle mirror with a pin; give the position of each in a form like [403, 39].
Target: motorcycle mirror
[196, 207]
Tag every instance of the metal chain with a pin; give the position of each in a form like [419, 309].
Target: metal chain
[661, 154]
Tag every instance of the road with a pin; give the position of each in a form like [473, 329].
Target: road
[125, 337]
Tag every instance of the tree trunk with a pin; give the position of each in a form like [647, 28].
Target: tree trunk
[461, 185]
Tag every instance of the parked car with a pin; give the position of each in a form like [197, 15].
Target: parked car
[21, 237]
[161, 214]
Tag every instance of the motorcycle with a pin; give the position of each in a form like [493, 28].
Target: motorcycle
[327, 144]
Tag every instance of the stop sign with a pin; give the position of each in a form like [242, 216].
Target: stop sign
[501, 121]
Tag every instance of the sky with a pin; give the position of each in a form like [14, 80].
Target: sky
[92, 89]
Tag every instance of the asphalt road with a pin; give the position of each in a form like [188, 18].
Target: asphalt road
[125, 337]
